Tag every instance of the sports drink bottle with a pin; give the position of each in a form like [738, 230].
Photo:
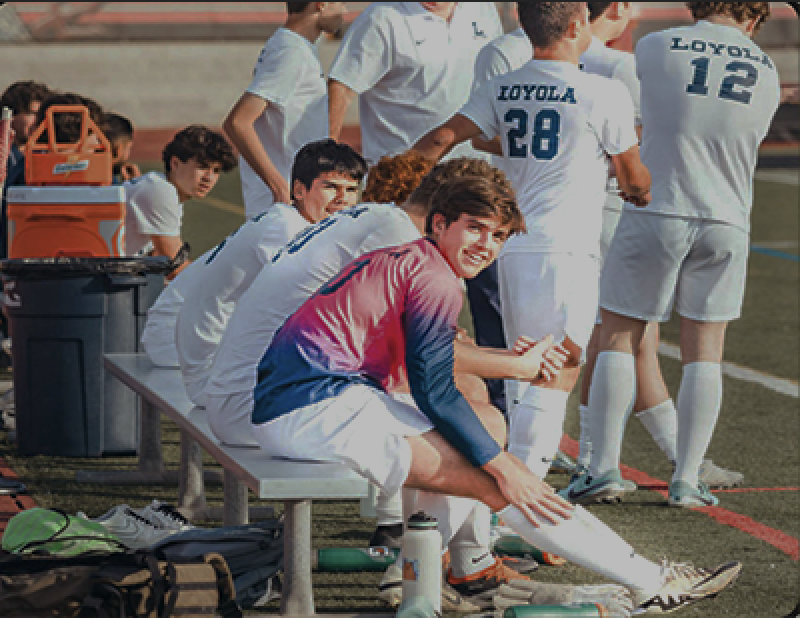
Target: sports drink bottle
[349, 559]
[577, 610]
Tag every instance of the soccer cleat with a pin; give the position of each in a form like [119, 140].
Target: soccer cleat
[563, 464]
[586, 489]
[164, 516]
[683, 494]
[130, 528]
[718, 478]
[684, 584]
[390, 591]
[518, 563]
[387, 536]
[580, 470]
[480, 587]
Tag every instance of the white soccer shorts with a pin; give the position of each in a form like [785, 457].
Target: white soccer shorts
[657, 262]
[229, 418]
[548, 293]
[362, 427]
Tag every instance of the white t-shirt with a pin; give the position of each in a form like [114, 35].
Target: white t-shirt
[296, 272]
[557, 124]
[708, 97]
[289, 77]
[152, 209]
[504, 54]
[226, 273]
[614, 64]
[412, 69]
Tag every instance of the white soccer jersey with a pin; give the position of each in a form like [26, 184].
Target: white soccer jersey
[226, 273]
[296, 272]
[557, 124]
[152, 208]
[504, 54]
[289, 77]
[158, 337]
[708, 97]
[411, 69]
[614, 64]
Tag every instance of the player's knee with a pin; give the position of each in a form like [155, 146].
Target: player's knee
[493, 420]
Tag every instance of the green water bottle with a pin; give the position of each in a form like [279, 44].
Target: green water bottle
[350, 559]
[577, 610]
[517, 546]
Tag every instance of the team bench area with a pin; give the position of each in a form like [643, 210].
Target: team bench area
[161, 391]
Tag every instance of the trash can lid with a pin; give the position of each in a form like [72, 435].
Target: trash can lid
[66, 266]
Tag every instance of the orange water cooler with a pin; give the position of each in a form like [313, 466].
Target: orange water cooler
[79, 221]
[67, 208]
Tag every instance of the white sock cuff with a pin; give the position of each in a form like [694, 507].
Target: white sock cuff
[666, 407]
[616, 359]
[545, 398]
[703, 367]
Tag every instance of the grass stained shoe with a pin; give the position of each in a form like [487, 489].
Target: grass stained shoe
[130, 528]
[683, 585]
[164, 516]
[563, 464]
[717, 477]
[684, 495]
[390, 591]
[480, 587]
[587, 489]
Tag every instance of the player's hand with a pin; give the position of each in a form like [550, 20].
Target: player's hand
[537, 500]
[282, 193]
[129, 171]
[463, 336]
[640, 201]
[541, 360]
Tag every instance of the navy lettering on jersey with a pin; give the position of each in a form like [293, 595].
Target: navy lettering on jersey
[718, 49]
[736, 86]
[540, 92]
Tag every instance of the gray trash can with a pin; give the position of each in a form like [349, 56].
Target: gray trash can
[64, 314]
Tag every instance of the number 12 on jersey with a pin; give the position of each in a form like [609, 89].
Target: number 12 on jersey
[741, 76]
[544, 138]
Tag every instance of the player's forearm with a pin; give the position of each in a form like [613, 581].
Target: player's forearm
[633, 176]
[339, 98]
[492, 146]
[246, 140]
[436, 143]
[488, 363]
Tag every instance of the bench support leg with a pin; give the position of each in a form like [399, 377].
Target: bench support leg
[236, 512]
[191, 485]
[297, 596]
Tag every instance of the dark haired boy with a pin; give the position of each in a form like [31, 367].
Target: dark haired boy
[193, 161]
[284, 107]
[185, 325]
[119, 131]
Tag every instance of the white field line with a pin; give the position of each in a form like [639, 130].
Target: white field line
[786, 177]
[776, 244]
[779, 385]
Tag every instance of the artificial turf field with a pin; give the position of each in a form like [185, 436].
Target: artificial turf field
[758, 433]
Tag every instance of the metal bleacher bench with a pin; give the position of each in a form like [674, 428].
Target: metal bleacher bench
[161, 391]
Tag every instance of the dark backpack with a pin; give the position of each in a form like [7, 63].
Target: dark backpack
[254, 553]
[133, 584]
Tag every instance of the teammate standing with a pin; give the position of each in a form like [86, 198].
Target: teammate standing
[285, 106]
[708, 97]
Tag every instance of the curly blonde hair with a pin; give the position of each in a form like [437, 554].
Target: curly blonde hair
[392, 179]
[739, 11]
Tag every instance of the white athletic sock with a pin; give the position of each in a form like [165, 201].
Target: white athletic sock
[698, 403]
[389, 508]
[536, 425]
[661, 422]
[450, 511]
[585, 455]
[587, 542]
[469, 547]
[611, 399]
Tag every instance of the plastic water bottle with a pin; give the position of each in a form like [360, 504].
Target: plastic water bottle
[576, 610]
[416, 607]
[350, 559]
[422, 562]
